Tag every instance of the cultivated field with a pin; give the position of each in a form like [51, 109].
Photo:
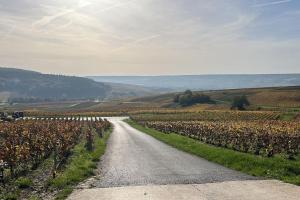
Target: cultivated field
[58, 144]
[35, 151]
[251, 132]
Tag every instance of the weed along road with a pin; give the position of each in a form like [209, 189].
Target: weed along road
[137, 166]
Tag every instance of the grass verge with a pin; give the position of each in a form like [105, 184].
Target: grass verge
[277, 167]
[81, 165]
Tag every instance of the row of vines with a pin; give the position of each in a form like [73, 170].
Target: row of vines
[25, 143]
[251, 132]
[209, 116]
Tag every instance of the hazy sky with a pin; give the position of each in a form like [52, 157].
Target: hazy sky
[149, 37]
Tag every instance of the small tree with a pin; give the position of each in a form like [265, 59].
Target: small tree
[240, 102]
[184, 100]
[188, 92]
[189, 98]
[176, 98]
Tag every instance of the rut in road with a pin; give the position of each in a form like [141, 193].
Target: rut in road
[135, 158]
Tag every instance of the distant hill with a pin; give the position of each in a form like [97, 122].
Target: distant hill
[19, 85]
[205, 82]
[23, 84]
[119, 90]
[273, 98]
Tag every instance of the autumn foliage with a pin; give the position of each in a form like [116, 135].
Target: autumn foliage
[26, 143]
[235, 130]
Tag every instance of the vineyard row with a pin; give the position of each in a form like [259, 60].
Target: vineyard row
[265, 138]
[25, 143]
[208, 116]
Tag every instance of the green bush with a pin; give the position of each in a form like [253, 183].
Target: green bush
[9, 196]
[23, 182]
[189, 98]
[240, 102]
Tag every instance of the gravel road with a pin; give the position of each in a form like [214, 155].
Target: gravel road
[135, 158]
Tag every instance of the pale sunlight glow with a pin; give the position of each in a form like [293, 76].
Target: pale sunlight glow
[150, 36]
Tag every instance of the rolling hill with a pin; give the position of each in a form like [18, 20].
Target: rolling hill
[30, 86]
[272, 98]
[23, 84]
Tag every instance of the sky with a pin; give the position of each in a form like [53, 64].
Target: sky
[151, 37]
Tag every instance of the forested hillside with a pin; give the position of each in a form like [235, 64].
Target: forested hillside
[25, 85]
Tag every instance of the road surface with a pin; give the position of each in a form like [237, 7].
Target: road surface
[135, 158]
[137, 166]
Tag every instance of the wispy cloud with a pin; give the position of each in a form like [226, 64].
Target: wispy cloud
[134, 36]
[8, 33]
[48, 19]
[135, 42]
[82, 4]
[271, 3]
[117, 5]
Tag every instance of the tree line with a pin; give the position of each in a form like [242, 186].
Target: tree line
[189, 98]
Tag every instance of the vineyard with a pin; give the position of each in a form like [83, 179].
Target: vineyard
[251, 132]
[117, 112]
[24, 144]
[207, 116]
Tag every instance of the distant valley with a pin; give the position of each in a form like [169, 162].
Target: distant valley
[205, 82]
[23, 86]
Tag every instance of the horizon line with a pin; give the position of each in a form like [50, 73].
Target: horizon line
[153, 75]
